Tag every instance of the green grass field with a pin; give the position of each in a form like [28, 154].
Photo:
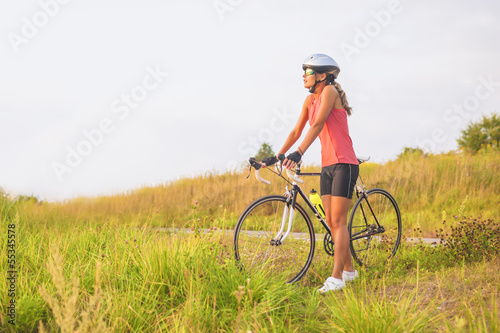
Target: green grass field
[102, 264]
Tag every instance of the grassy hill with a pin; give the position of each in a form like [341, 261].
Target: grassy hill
[428, 189]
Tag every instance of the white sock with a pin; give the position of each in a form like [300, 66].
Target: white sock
[337, 281]
[351, 274]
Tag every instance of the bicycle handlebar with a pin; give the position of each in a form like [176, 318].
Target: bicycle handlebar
[257, 166]
[262, 180]
[295, 178]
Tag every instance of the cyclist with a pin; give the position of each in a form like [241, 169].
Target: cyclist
[326, 108]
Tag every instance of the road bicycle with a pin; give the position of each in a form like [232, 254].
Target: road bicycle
[275, 234]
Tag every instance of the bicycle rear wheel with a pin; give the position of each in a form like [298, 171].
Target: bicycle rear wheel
[255, 249]
[371, 243]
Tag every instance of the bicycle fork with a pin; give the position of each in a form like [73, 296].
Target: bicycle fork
[287, 212]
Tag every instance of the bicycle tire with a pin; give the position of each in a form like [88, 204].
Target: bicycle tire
[373, 250]
[259, 224]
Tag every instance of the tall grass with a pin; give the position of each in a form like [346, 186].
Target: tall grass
[93, 264]
[427, 188]
[90, 278]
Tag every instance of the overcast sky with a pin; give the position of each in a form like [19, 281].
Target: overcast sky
[100, 97]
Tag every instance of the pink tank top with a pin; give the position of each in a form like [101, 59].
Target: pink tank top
[336, 144]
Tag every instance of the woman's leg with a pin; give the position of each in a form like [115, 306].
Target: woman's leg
[336, 209]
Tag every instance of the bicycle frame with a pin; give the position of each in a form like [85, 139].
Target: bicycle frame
[292, 199]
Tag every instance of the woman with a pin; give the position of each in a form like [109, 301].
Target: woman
[326, 108]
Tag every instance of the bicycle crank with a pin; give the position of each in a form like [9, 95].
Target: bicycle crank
[328, 243]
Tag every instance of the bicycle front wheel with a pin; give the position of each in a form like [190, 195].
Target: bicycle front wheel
[374, 228]
[259, 245]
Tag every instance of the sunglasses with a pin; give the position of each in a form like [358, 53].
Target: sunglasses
[309, 71]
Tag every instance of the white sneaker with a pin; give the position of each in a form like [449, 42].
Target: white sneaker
[331, 284]
[350, 277]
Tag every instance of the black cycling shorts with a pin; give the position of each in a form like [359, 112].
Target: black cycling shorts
[339, 179]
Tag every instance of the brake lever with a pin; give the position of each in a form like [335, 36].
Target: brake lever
[253, 163]
[281, 158]
[279, 168]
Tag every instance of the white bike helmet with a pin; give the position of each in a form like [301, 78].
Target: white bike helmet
[321, 63]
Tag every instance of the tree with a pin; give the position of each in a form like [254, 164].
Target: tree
[407, 151]
[483, 134]
[264, 151]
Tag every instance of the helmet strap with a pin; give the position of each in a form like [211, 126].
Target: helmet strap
[311, 90]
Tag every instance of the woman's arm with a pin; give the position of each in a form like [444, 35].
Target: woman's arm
[328, 97]
[297, 130]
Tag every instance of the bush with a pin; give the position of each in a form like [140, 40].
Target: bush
[483, 134]
[408, 151]
[472, 239]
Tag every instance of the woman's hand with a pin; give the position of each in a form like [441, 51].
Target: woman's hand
[292, 160]
[269, 161]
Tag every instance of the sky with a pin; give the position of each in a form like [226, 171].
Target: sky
[102, 97]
